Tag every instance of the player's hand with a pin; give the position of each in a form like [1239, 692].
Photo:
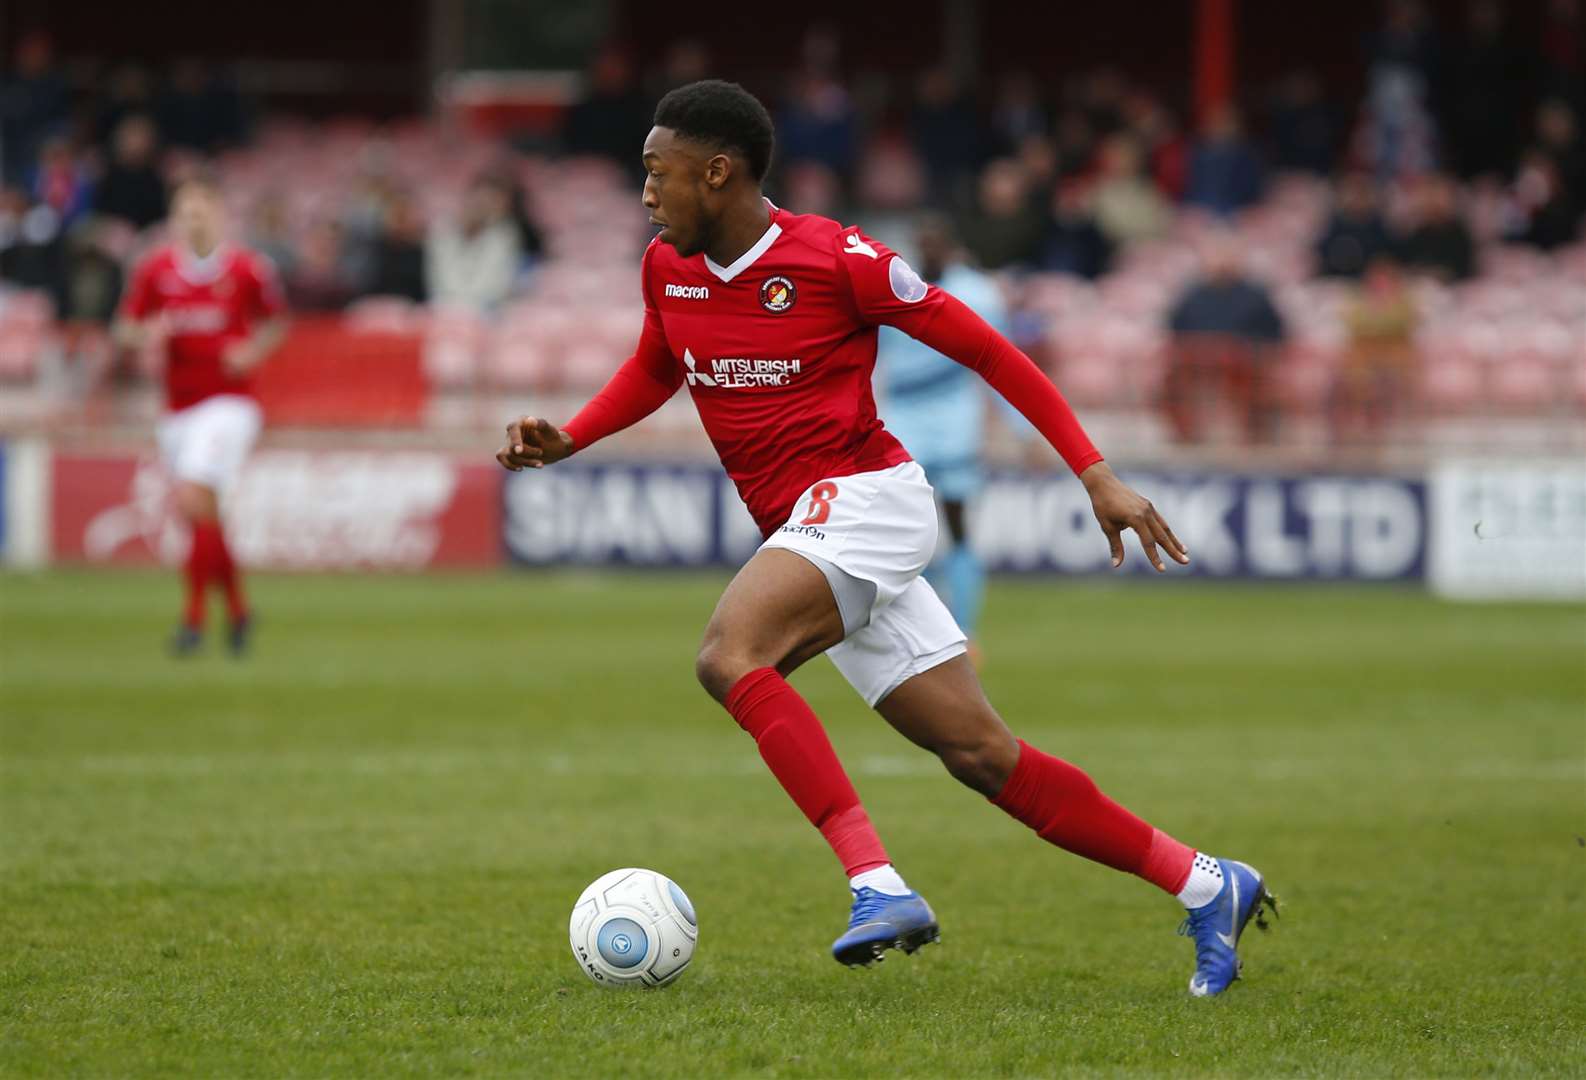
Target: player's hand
[1119, 507]
[533, 443]
[238, 358]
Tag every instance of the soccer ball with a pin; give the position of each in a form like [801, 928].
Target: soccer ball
[633, 927]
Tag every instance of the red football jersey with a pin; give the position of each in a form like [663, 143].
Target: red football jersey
[209, 303]
[778, 350]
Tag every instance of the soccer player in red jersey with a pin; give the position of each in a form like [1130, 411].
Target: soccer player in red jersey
[769, 318]
[216, 312]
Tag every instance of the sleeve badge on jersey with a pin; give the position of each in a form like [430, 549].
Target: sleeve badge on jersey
[906, 284]
[777, 294]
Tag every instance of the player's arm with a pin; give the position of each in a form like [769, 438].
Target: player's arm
[644, 383]
[241, 357]
[887, 291]
[265, 305]
[138, 323]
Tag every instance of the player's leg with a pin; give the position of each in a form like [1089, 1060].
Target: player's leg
[852, 544]
[775, 614]
[211, 443]
[197, 506]
[944, 710]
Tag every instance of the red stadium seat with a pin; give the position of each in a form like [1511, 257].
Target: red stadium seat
[1451, 383]
[21, 348]
[1524, 382]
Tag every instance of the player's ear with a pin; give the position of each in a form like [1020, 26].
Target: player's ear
[718, 170]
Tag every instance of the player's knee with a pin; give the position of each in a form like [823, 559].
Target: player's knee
[718, 666]
[983, 763]
[196, 502]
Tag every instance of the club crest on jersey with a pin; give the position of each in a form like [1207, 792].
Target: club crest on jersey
[777, 294]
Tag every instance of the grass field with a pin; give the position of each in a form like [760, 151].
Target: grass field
[354, 854]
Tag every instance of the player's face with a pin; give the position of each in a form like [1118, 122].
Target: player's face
[195, 219]
[680, 187]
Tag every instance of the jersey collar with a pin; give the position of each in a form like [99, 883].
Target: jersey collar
[202, 271]
[747, 259]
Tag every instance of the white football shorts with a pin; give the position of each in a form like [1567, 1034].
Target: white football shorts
[872, 534]
[207, 443]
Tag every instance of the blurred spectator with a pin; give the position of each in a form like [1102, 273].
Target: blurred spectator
[1003, 229]
[1379, 368]
[1563, 49]
[1102, 94]
[1037, 156]
[33, 106]
[132, 188]
[1355, 234]
[32, 252]
[473, 263]
[1226, 329]
[1438, 242]
[1223, 301]
[399, 252]
[1224, 170]
[1398, 137]
[1550, 217]
[1485, 79]
[1128, 206]
[362, 219]
[61, 180]
[270, 233]
[687, 60]
[809, 187]
[128, 91]
[612, 121]
[1076, 144]
[818, 124]
[1558, 135]
[1074, 245]
[1167, 152]
[1018, 112]
[946, 133]
[94, 274]
[531, 245]
[1303, 129]
[199, 110]
[318, 280]
[890, 176]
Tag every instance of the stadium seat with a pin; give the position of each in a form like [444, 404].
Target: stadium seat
[1450, 384]
[1524, 382]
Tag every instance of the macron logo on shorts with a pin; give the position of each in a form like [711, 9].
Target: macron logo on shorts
[688, 292]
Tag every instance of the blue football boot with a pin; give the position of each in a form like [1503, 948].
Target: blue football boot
[1217, 926]
[185, 641]
[239, 636]
[882, 921]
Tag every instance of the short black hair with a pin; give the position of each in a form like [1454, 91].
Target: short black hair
[723, 114]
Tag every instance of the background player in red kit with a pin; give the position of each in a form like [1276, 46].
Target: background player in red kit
[770, 320]
[216, 312]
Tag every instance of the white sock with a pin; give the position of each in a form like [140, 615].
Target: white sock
[1205, 882]
[882, 879]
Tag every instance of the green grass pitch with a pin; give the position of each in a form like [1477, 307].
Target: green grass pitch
[355, 853]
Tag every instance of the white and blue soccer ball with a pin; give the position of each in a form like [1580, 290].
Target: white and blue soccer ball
[633, 927]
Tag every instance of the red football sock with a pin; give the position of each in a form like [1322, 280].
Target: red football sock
[197, 571]
[1064, 807]
[229, 576]
[795, 746]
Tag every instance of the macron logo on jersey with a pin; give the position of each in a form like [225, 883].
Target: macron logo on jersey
[855, 246]
[741, 373]
[689, 292]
